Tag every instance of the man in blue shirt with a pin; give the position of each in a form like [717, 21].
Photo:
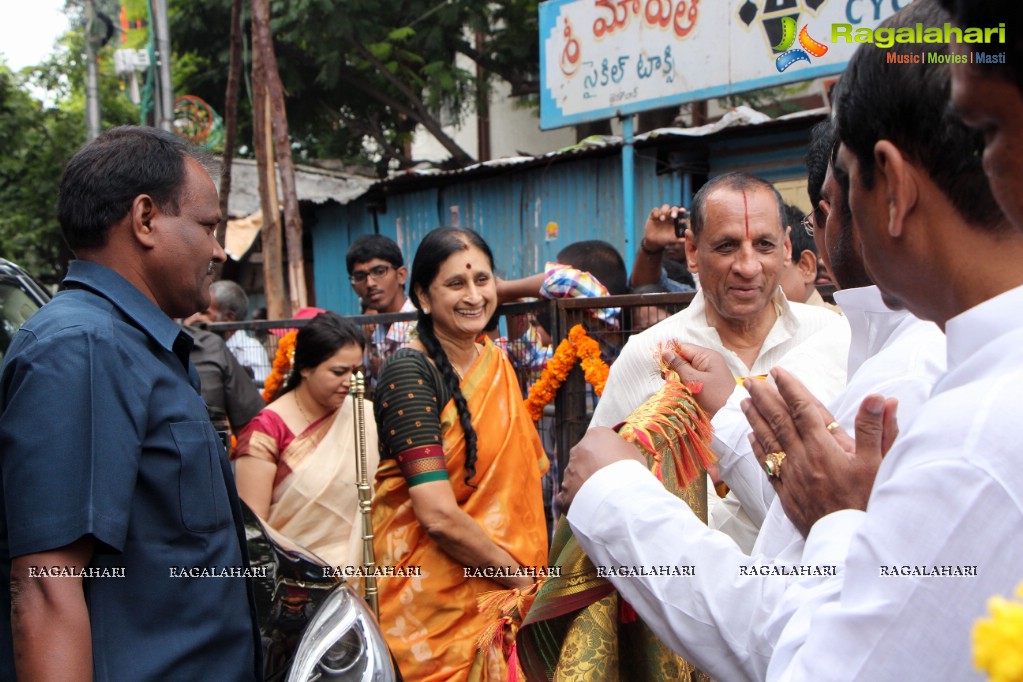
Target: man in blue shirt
[114, 482]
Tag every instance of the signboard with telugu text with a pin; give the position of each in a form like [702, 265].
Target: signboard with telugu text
[606, 58]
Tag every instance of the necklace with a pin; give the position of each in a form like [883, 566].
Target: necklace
[298, 403]
[461, 377]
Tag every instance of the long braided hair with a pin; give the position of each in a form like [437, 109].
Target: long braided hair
[436, 247]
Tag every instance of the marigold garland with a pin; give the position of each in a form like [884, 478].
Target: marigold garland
[998, 640]
[281, 366]
[578, 346]
[594, 369]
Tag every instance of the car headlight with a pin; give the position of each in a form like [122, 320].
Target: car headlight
[342, 642]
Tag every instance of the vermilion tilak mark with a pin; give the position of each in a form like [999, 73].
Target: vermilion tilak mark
[745, 208]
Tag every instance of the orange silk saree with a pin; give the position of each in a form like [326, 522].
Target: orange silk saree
[431, 621]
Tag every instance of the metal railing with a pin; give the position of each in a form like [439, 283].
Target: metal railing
[566, 420]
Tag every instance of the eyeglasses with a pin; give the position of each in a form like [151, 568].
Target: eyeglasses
[375, 272]
[807, 223]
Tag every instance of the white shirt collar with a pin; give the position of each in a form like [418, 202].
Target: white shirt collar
[698, 308]
[973, 329]
[871, 322]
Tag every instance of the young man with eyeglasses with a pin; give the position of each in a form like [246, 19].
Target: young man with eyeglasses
[377, 272]
[799, 278]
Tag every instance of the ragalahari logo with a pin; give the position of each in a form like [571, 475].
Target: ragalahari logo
[807, 46]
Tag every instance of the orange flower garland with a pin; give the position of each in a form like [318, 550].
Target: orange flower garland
[578, 346]
[281, 366]
[594, 369]
[554, 374]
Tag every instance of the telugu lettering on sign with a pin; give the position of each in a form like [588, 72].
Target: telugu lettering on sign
[607, 58]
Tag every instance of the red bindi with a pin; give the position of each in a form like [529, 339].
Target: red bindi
[468, 266]
[745, 208]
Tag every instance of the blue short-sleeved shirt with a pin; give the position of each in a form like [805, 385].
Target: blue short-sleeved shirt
[672, 286]
[103, 433]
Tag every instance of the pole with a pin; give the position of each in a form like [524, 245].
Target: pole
[92, 111]
[628, 190]
[234, 76]
[262, 41]
[163, 50]
[365, 493]
[273, 277]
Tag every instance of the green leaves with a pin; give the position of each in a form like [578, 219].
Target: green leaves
[402, 34]
[39, 138]
[360, 75]
[381, 51]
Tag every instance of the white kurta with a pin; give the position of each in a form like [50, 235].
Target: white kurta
[949, 494]
[250, 353]
[721, 618]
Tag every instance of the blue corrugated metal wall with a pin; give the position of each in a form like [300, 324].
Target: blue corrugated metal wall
[582, 196]
[331, 237]
[774, 158]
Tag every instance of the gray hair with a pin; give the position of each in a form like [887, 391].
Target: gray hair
[738, 182]
[230, 298]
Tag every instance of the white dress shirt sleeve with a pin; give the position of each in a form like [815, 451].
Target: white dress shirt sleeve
[883, 626]
[623, 516]
[737, 465]
[819, 363]
[729, 517]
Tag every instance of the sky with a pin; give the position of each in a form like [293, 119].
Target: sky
[28, 29]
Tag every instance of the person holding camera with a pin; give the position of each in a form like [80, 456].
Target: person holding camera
[661, 256]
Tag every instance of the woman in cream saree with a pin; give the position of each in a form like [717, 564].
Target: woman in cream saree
[314, 500]
[296, 459]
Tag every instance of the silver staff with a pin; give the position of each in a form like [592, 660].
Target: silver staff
[365, 492]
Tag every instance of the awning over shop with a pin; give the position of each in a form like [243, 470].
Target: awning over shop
[313, 184]
[242, 234]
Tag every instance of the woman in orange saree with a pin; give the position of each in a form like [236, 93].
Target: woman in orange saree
[458, 498]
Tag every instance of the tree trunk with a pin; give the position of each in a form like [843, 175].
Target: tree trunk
[263, 44]
[234, 73]
[482, 107]
[273, 278]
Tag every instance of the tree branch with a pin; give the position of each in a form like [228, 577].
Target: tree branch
[416, 109]
[520, 87]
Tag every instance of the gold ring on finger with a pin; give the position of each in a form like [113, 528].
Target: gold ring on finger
[832, 426]
[772, 463]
